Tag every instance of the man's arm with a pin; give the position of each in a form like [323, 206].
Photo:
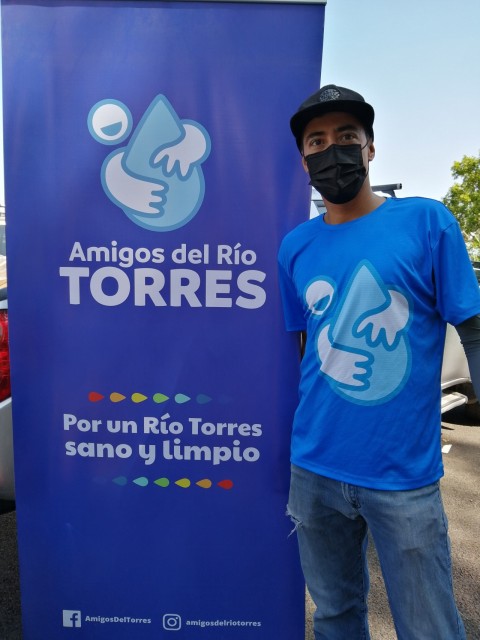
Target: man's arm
[469, 332]
[303, 342]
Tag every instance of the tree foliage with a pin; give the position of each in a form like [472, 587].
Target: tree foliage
[463, 200]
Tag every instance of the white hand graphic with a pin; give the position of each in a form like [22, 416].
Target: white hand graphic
[140, 195]
[386, 325]
[352, 368]
[189, 150]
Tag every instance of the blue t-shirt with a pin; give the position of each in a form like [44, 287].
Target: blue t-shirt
[374, 296]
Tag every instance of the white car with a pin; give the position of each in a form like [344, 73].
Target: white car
[456, 384]
[455, 379]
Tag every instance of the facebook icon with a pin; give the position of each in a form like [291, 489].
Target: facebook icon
[72, 618]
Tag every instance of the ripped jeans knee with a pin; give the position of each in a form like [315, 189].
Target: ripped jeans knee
[296, 522]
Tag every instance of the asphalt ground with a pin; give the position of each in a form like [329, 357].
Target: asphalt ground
[461, 495]
[10, 624]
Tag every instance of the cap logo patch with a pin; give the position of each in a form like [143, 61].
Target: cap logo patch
[329, 94]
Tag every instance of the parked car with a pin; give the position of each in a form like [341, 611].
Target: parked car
[456, 385]
[7, 486]
[455, 379]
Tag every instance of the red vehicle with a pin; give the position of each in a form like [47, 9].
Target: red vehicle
[7, 486]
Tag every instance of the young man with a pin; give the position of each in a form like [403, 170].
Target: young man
[371, 286]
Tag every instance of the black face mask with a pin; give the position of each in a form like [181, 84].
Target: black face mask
[338, 172]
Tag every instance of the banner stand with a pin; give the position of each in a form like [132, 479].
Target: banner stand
[150, 177]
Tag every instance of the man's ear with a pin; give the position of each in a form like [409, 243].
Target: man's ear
[371, 151]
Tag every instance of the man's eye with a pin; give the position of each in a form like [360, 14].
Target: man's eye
[348, 137]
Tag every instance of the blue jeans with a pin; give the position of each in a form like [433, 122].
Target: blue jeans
[409, 529]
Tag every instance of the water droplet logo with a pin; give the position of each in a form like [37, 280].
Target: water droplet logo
[363, 347]
[157, 178]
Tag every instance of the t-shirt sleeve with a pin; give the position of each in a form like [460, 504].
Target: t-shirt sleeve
[292, 306]
[458, 295]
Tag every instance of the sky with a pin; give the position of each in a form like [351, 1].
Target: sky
[417, 62]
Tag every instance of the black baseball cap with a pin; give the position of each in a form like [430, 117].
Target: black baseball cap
[331, 98]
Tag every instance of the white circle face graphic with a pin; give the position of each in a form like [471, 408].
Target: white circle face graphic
[319, 296]
[109, 121]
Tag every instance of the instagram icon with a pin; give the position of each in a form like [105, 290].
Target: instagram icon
[172, 622]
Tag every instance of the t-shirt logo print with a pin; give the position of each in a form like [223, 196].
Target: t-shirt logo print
[362, 342]
[157, 178]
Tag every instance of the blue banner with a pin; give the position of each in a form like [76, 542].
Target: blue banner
[150, 176]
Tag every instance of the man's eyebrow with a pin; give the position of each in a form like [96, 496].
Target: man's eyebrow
[348, 127]
[341, 129]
